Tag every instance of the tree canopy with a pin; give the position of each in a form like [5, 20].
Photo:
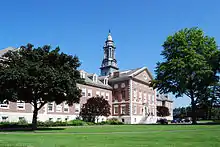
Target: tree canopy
[38, 76]
[162, 111]
[95, 107]
[190, 66]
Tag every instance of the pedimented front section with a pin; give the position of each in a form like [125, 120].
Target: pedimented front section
[144, 76]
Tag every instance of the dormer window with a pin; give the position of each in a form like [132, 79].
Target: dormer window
[106, 81]
[95, 78]
[82, 74]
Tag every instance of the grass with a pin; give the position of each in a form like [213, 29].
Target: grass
[117, 136]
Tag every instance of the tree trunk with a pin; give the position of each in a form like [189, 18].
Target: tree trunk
[210, 112]
[34, 119]
[193, 103]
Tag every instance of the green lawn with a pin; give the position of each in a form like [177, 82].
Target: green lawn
[118, 136]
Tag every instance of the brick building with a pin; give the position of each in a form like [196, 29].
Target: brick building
[128, 92]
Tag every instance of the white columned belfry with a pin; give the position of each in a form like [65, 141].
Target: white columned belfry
[109, 63]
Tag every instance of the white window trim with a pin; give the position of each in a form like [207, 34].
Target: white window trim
[4, 120]
[84, 91]
[78, 107]
[106, 81]
[135, 109]
[3, 105]
[107, 95]
[115, 106]
[95, 78]
[149, 98]
[145, 97]
[89, 92]
[135, 93]
[20, 103]
[103, 94]
[59, 107]
[66, 106]
[82, 74]
[122, 85]
[152, 99]
[121, 108]
[97, 93]
[140, 95]
[52, 107]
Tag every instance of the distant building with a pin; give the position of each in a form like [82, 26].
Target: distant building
[133, 101]
[163, 100]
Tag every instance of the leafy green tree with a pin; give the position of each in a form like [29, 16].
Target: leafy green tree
[190, 66]
[162, 111]
[95, 107]
[38, 76]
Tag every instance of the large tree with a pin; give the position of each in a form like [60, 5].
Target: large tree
[38, 76]
[94, 108]
[190, 66]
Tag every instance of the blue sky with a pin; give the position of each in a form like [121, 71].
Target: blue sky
[139, 28]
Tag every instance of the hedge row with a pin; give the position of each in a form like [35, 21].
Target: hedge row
[24, 124]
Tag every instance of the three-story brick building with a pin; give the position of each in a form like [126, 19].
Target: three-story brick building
[133, 101]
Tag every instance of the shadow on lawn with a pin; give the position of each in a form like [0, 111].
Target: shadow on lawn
[28, 129]
[207, 123]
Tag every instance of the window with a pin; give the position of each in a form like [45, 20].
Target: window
[66, 108]
[21, 118]
[50, 107]
[149, 97]
[163, 103]
[89, 93]
[135, 93]
[106, 81]
[82, 74]
[152, 99]
[123, 95]
[97, 93]
[4, 104]
[103, 94]
[77, 108]
[4, 118]
[20, 105]
[123, 109]
[140, 95]
[116, 109]
[122, 85]
[95, 79]
[145, 97]
[135, 109]
[107, 96]
[59, 108]
[83, 91]
[115, 86]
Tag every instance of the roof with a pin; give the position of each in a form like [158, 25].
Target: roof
[89, 81]
[163, 97]
[129, 73]
[5, 50]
